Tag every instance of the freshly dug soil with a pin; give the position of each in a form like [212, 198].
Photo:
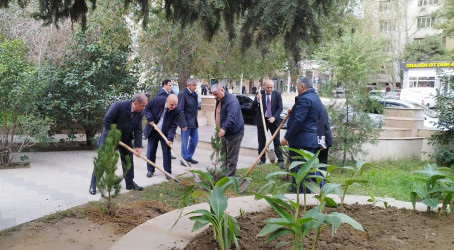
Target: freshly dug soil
[389, 228]
[90, 229]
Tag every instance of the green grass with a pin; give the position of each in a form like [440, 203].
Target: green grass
[171, 192]
[391, 179]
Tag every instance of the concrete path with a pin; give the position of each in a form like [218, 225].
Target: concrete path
[60, 180]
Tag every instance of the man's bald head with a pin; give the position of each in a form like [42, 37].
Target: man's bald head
[268, 86]
[172, 101]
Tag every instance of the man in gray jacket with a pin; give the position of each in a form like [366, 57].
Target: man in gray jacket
[229, 119]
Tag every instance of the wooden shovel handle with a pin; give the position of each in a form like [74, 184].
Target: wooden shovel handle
[145, 159]
[171, 147]
[268, 143]
[263, 116]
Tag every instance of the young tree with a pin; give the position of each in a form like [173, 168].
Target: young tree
[20, 124]
[429, 48]
[105, 164]
[443, 140]
[353, 60]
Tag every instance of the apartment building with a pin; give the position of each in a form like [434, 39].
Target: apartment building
[401, 22]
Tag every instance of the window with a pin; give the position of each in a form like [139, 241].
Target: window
[421, 82]
[386, 26]
[427, 2]
[425, 21]
[384, 6]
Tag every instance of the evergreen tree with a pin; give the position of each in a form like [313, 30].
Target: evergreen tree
[105, 163]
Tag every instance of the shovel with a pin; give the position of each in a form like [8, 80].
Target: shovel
[148, 161]
[245, 182]
[269, 153]
[175, 151]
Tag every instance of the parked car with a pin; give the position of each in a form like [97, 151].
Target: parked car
[424, 96]
[394, 94]
[247, 110]
[430, 116]
[378, 94]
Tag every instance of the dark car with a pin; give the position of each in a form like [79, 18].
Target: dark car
[247, 110]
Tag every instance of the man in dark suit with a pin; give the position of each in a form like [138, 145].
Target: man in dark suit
[188, 105]
[166, 88]
[163, 112]
[229, 119]
[127, 115]
[272, 109]
[302, 122]
[165, 91]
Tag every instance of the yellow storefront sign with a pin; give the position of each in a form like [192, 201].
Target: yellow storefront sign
[429, 65]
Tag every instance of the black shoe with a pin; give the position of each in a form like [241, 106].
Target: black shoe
[134, 186]
[192, 161]
[167, 177]
[92, 190]
[281, 164]
[173, 157]
[261, 162]
[149, 174]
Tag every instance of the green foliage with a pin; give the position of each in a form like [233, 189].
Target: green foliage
[290, 221]
[443, 140]
[439, 186]
[430, 48]
[169, 49]
[354, 59]
[20, 87]
[225, 227]
[94, 72]
[216, 157]
[357, 171]
[445, 18]
[105, 165]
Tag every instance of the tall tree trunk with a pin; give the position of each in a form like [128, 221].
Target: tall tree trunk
[185, 70]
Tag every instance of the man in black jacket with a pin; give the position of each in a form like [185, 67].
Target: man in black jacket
[272, 109]
[166, 88]
[127, 115]
[188, 105]
[229, 119]
[163, 112]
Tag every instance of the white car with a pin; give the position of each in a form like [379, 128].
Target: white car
[420, 95]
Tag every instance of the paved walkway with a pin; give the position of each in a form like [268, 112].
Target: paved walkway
[60, 180]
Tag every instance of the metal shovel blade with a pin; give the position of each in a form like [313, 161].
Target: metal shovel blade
[244, 185]
[270, 154]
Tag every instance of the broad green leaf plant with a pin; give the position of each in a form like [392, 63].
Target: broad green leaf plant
[439, 186]
[357, 171]
[225, 227]
[290, 220]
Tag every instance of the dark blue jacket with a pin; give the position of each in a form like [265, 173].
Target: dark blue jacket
[153, 113]
[276, 108]
[323, 129]
[119, 113]
[162, 92]
[302, 122]
[188, 105]
[231, 118]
